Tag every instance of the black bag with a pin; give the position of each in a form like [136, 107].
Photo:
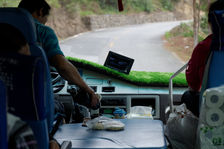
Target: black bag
[191, 100]
[79, 113]
[58, 107]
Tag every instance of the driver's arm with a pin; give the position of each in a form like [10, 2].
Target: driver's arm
[70, 73]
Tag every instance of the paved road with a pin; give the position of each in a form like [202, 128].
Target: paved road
[141, 42]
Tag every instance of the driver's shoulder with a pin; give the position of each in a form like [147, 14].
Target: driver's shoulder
[44, 31]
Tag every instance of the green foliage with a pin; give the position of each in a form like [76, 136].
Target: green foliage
[54, 3]
[149, 6]
[204, 24]
[168, 35]
[188, 33]
[70, 5]
[86, 7]
[175, 1]
[183, 29]
[9, 3]
[14, 3]
[86, 13]
[187, 30]
[167, 4]
[105, 4]
[205, 5]
[138, 5]
[200, 38]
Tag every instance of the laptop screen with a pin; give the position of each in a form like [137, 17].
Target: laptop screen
[119, 62]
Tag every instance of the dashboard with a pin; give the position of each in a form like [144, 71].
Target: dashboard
[117, 93]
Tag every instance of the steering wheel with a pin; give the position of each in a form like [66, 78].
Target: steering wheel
[57, 81]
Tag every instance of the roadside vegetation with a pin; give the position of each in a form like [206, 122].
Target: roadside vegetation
[186, 30]
[89, 7]
[180, 39]
[86, 7]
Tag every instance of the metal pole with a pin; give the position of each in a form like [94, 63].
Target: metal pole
[171, 85]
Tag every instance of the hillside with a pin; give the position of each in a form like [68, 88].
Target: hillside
[72, 17]
[180, 39]
[69, 17]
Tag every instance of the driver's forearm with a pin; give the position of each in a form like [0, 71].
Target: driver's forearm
[69, 72]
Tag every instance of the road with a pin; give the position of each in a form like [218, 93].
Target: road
[142, 42]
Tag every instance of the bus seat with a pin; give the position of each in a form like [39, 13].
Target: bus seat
[24, 76]
[214, 71]
[3, 128]
[22, 20]
[212, 80]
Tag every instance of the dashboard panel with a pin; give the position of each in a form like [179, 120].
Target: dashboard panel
[117, 93]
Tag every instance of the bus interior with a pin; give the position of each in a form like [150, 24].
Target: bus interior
[115, 87]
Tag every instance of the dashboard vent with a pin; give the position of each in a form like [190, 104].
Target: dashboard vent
[108, 89]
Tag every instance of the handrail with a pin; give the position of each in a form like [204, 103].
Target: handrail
[171, 85]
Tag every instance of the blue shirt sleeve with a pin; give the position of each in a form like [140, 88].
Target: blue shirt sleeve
[50, 43]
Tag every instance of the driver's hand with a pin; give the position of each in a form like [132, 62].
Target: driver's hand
[95, 99]
[54, 144]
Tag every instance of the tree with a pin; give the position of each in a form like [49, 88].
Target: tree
[196, 21]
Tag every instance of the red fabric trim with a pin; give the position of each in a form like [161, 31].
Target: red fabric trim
[120, 5]
[197, 62]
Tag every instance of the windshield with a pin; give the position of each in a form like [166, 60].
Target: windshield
[89, 29]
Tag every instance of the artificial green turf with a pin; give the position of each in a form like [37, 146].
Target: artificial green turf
[141, 78]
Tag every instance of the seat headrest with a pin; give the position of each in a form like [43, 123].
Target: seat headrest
[217, 22]
[22, 20]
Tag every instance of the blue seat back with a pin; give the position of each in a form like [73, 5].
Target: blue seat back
[209, 127]
[216, 68]
[24, 77]
[214, 71]
[3, 127]
[22, 20]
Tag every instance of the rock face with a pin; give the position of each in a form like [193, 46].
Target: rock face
[95, 22]
[65, 24]
[184, 9]
[68, 24]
